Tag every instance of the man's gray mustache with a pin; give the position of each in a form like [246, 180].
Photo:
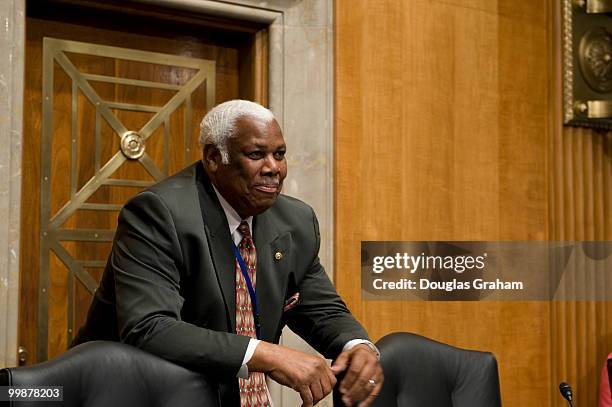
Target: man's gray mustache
[271, 183]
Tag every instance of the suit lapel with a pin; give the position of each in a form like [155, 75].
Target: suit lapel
[220, 243]
[272, 272]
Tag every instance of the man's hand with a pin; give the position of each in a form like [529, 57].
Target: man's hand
[307, 374]
[364, 376]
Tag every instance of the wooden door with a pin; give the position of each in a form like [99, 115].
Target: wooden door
[108, 112]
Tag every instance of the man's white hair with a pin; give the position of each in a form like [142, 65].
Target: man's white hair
[219, 124]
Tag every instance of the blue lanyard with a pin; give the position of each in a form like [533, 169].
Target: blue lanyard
[245, 273]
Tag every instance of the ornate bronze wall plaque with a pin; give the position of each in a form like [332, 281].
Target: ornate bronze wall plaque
[587, 63]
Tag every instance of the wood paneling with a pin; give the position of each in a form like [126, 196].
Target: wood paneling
[580, 208]
[580, 204]
[444, 132]
[581, 179]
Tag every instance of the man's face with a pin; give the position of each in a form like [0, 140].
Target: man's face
[254, 176]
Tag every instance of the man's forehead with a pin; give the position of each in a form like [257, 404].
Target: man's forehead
[261, 142]
[255, 130]
[276, 145]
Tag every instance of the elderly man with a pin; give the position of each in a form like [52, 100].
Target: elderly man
[209, 265]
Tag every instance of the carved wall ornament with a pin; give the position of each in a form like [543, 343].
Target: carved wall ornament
[596, 59]
[587, 44]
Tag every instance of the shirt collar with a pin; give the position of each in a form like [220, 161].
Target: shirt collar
[233, 219]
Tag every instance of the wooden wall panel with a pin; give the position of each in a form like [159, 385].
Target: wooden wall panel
[580, 204]
[442, 134]
[448, 128]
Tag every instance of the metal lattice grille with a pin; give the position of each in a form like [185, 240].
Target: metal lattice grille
[60, 54]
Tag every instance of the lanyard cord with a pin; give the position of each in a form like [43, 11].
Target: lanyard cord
[249, 284]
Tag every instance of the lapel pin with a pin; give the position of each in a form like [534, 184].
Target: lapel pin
[278, 255]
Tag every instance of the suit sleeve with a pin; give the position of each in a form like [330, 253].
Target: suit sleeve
[321, 317]
[146, 261]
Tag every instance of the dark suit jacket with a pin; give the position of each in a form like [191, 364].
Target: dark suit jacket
[169, 284]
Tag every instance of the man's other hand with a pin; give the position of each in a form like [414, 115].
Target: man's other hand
[307, 374]
[363, 378]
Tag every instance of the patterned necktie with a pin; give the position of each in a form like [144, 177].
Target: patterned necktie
[253, 391]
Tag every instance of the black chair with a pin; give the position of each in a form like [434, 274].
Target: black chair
[420, 372]
[111, 374]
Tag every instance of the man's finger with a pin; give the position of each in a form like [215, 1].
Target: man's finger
[306, 396]
[362, 386]
[373, 394]
[375, 391]
[331, 380]
[317, 392]
[326, 386]
[352, 373]
[340, 363]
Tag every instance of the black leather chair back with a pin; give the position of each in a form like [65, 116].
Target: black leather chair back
[420, 372]
[111, 374]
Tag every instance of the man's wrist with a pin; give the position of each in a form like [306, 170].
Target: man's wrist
[352, 343]
[243, 372]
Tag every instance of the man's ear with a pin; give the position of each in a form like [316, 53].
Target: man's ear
[211, 157]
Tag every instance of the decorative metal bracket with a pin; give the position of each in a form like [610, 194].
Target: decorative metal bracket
[595, 6]
[587, 63]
